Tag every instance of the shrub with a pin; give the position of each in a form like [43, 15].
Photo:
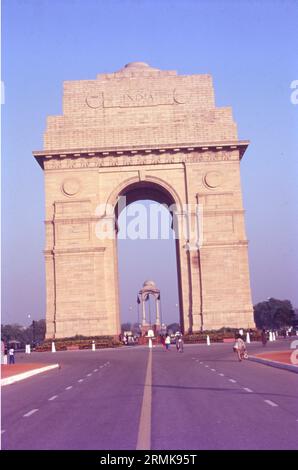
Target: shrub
[81, 342]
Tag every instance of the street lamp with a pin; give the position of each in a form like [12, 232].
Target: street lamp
[33, 329]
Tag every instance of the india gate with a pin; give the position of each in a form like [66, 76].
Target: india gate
[142, 133]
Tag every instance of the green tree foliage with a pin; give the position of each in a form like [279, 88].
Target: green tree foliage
[173, 328]
[274, 314]
[126, 327]
[35, 333]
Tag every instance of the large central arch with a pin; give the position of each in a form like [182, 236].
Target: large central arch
[143, 131]
[153, 189]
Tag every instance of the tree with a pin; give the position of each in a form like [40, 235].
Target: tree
[274, 314]
[35, 333]
[126, 327]
[173, 328]
[12, 332]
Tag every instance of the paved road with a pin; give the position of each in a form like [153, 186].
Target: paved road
[125, 399]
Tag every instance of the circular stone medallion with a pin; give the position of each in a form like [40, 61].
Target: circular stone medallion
[213, 179]
[71, 186]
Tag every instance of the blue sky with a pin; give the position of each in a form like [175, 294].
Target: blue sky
[249, 47]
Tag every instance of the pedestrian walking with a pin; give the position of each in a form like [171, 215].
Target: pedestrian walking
[167, 342]
[179, 343]
[11, 356]
[240, 348]
[264, 337]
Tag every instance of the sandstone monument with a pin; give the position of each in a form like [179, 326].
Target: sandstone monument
[146, 134]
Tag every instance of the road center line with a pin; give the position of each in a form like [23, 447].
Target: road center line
[233, 381]
[80, 380]
[95, 370]
[53, 397]
[69, 387]
[88, 375]
[144, 433]
[247, 390]
[31, 412]
[213, 370]
[222, 375]
[271, 403]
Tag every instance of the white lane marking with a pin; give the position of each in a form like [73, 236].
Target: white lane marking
[206, 365]
[31, 412]
[95, 370]
[53, 397]
[68, 388]
[247, 390]
[88, 375]
[81, 380]
[201, 362]
[233, 381]
[101, 367]
[222, 375]
[197, 360]
[271, 403]
[213, 370]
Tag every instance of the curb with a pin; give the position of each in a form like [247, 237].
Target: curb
[25, 375]
[278, 365]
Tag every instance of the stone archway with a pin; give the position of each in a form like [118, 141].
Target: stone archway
[152, 131]
[157, 190]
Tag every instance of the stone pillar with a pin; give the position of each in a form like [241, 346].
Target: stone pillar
[143, 312]
[157, 322]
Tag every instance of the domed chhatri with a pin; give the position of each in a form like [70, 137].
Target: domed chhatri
[137, 65]
[138, 68]
[149, 284]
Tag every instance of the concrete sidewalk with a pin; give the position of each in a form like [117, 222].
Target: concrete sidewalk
[16, 372]
[279, 359]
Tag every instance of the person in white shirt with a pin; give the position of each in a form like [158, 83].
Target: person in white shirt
[11, 356]
[168, 342]
[240, 348]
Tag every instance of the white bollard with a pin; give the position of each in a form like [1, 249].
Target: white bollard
[270, 336]
[247, 338]
[150, 343]
[53, 347]
[273, 336]
[28, 349]
[93, 345]
[5, 359]
[296, 332]
[208, 340]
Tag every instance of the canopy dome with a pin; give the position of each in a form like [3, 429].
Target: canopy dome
[149, 284]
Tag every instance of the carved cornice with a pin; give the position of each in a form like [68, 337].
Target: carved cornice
[224, 244]
[211, 212]
[141, 155]
[63, 251]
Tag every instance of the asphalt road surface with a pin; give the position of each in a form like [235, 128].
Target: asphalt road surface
[131, 398]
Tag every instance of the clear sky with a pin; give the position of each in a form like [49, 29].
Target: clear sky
[249, 47]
